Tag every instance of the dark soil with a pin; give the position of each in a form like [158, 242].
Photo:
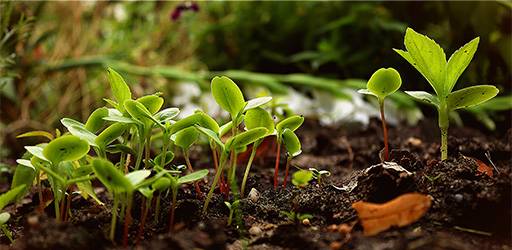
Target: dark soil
[470, 210]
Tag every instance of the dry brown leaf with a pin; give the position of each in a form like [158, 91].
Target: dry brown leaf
[401, 211]
[483, 168]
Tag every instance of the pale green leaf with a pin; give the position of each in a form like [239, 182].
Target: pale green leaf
[291, 142]
[153, 103]
[292, 123]
[110, 176]
[36, 134]
[257, 102]
[197, 175]
[384, 82]
[119, 88]
[470, 96]
[258, 117]
[424, 97]
[186, 137]
[110, 134]
[66, 148]
[36, 151]
[4, 217]
[10, 196]
[245, 138]
[227, 94]
[95, 121]
[137, 176]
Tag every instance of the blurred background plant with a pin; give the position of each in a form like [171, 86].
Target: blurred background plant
[313, 54]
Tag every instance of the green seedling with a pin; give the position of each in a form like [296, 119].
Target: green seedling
[184, 139]
[160, 185]
[382, 83]
[255, 118]
[5, 199]
[295, 217]
[301, 178]
[291, 123]
[293, 148]
[426, 56]
[121, 187]
[232, 208]
[318, 174]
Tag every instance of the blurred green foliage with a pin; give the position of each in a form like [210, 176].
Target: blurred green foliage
[53, 59]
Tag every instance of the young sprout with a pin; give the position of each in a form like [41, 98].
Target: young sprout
[291, 123]
[382, 83]
[5, 199]
[301, 178]
[184, 139]
[426, 56]
[296, 217]
[292, 144]
[255, 118]
[232, 208]
[317, 174]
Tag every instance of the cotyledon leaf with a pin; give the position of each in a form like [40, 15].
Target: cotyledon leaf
[66, 148]
[470, 96]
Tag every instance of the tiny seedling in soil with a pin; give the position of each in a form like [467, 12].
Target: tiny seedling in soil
[382, 83]
[426, 56]
[318, 175]
[296, 217]
[290, 124]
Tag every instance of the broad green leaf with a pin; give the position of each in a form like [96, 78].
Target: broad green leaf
[83, 134]
[120, 148]
[153, 103]
[4, 217]
[68, 122]
[82, 171]
[470, 96]
[120, 89]
[384, 82]
[301, 178]
[138, 176]
[227, 94]
[291, 142]
[210, 134]
[226, 128]
[258, 117]
[36, 133]
[66, 148]
[161, 184]
[10, 196]
[198, 118]
[257, 102]
[36, 151]
[169, 156]
[197, 175]
[167, 114]
[23, 175]
[458, 62]
[95, 121]
[245, 138]
[138, 111]
[424, 97]
[110, 176]
[427, 57]
[292, 123]
[110, 134]
[122, 119]
[186, 137]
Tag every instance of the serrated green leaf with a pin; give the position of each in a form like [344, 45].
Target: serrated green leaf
[110, 176]
[186, 137]
[95, 121]
[458, 62]
[292, 123]
[424, 97]
[66, 148]
[197, 175]
[245, 138]
[257, 102]
[470, 96]
[428, 58]
[120, 89]
[384, 82]
[227, 94]
[291, 142]
[36, 134]
[258, 117]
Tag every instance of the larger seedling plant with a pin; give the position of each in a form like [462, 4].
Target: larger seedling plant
[426, 56]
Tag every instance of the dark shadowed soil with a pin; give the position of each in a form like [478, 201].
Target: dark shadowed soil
[470, 210]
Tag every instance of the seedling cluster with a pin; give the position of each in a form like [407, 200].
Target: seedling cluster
[130, 128]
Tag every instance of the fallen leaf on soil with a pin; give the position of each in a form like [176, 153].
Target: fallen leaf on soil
[400, 212]
[483, 168]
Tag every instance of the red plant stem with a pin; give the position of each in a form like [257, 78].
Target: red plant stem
[40, 194]
[68, 205]
[276, 168]
[62, 207]
[199, 194]
[144, 215]
[288, 160]
[127, 221]
[173, 209]
[216, 165]
[385, 132]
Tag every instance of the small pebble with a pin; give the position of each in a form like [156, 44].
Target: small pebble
[33, 220]
[306, 222]
[254, 195]
[458, 197]
[254, 230]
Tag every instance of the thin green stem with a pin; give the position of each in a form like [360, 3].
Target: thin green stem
[157, 209]
[384, 130]
[247, 169]
[444, 144]
[215, 182]
[444, 123]
[7, 233]
[174, 192]
[114, 218]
